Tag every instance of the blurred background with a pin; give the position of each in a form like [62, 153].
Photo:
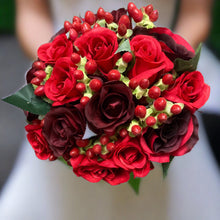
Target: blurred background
[13, 65]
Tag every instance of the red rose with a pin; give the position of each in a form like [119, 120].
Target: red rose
[189, 89]
[59, 47]
[60, 87]
[62, 126]
[149, 58]
[175, 137]
[129, 155]
[37, 141]
[99, 44]
[105, 170]
[109, 108]
[173, 45]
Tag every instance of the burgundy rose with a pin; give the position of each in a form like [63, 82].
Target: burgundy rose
[37, 141]
[62, 126]
[150, 61]
[96, 171]
[61, 86]
[189, 89]
[99, 44]
[175, 137]
[129, 155]
[59, 47]
[173, 45]
[109, 108]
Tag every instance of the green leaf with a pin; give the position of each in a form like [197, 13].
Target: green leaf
[28, 101]
[124, 46]
[134, 183]
[181, 65]
[165, 167]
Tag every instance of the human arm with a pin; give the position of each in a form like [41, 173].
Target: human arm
[33, 25]
[194, 20]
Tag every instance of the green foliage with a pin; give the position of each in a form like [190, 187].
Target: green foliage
[134, 183]
[28, 101]
[165, 167]
[181, 65]
[124, 46]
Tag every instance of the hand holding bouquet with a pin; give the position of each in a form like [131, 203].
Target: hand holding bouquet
[111, 93]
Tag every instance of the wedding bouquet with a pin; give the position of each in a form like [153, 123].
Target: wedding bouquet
[111, 93]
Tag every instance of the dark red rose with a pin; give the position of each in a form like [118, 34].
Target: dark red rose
[109, 108]
[175, 137]
[60, 87]
[37, 141]
[189, 89]
[105, 170]
[173, 45]
[99, 44]
[129, 155]
[59, 47]
[150, 61]
[62, 126]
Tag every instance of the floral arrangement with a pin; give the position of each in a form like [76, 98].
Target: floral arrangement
[111, 93]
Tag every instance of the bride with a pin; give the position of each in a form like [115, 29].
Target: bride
[49, 190]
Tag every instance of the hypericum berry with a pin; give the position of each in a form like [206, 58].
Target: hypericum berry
[160, 103]
[167, 79]
[144, 83]
[149, 9]
[154, 15]
[78, 74]
[101, 13]
[109, 17]
[67, 26]
[74, 152]
[110, 146]
[176, 109]
[137, 15]
[90, 153]
[133, 83]
[91, 66]
[123, 132]
[77, 26]
[39, 91]
[122, 29]
[154, 92]
[96, 25]
[97, 149]
[85, 27]
[36, 81]
[131, 7]
[136, 130]
[52, 157]
[82, 142]
[104, 139]
[162, 117]
[150, 121]
[76, 19]
[127, 57]
[90, 17]
[114, 75]
[84, 100]
[42, 123]
[124, 19]
[95, 85]
[75, 57]
[140, 111]
[73, 34]
[81, 87]
[38, 65]
[41, 74]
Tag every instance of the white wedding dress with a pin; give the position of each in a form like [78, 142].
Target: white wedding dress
[42, 190]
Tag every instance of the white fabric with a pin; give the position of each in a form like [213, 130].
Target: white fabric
[42, 190]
